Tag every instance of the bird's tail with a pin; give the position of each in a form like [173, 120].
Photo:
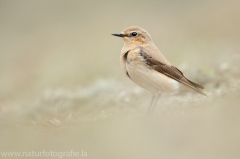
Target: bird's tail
[198, 88]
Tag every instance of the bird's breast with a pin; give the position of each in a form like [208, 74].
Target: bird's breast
[133, 58]
[143, 75]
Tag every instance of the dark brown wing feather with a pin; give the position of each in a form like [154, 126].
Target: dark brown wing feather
[194, 84]
[170, 71]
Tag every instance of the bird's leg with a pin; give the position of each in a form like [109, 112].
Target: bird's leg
[152, 102]
[155, 102]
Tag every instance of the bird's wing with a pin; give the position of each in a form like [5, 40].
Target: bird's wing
[169, 70]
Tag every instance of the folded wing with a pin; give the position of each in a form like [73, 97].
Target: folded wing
[170, 71]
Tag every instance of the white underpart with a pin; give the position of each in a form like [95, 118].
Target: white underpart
[152, 80]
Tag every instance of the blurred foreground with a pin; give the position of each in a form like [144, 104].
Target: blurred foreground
[108, 120]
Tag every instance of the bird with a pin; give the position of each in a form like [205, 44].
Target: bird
[145, 65]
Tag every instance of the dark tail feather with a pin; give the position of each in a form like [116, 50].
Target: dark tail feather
[201, 92]
[198, 88]
[195, 84]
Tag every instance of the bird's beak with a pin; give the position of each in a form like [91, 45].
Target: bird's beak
[118, 34]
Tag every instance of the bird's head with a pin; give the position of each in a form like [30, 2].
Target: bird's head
[135, 35]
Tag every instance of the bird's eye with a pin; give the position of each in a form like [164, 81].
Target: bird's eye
[134, 34]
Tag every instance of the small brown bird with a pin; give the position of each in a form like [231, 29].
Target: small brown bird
[145, 65]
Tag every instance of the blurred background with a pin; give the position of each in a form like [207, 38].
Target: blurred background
[62, 87]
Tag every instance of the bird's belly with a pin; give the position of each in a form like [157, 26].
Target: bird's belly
[151, 80]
